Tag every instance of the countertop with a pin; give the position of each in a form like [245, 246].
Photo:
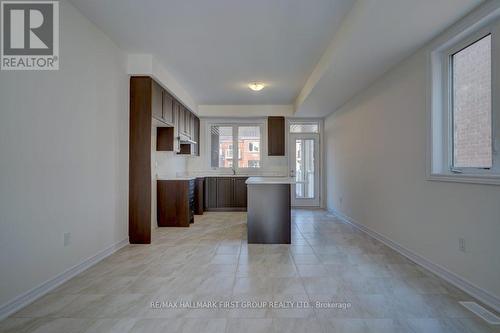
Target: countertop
[270, 180]
[160, 177]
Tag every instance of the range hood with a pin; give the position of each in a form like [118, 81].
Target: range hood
[184, 139]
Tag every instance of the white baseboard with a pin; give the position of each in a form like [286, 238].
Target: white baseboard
[31, 295]
[456, 280]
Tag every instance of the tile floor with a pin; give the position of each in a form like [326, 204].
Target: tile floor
[359, 285]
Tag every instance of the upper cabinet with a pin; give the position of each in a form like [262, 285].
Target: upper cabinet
[168, 108]
[156, 100]
[196, 135]
[186, 122]
[182, 122]
[179, 111]
[276, 136]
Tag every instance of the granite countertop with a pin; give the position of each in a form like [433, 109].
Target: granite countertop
[270, 180]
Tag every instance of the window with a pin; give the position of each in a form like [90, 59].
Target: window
[253, 164]
[465, 116]
[222, 146]
[471, 100]
[253, 147]
[229, 151]
[245, 138]
[249, 136]
[304, 127]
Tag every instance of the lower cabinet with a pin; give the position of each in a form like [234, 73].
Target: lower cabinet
[198, 195]
[240, 192]
[225, 194]
[175, 202]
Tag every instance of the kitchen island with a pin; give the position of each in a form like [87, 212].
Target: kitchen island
[269, 210]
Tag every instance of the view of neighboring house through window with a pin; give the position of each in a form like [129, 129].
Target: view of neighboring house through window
[221, 146]
[472, 101]
[245, 138]
[248, 145]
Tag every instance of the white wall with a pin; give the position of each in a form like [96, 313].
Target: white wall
[375, 150]
[64, 158]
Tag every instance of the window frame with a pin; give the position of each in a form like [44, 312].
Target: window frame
[448, 101]
[236, 125]
[440, 144]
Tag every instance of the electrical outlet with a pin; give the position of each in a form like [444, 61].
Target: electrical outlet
[67, 238]
[461, 244]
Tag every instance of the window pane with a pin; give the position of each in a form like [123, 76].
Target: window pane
[304, 128]
[221, 146]
[304, 168]
[249, 147]
[472, 126]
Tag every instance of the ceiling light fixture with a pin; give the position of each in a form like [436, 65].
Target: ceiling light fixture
[256, 86]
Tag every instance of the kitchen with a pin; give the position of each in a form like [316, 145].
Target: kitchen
[186, 166]
[332, 163]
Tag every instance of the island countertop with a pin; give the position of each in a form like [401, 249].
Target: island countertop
[270, 180]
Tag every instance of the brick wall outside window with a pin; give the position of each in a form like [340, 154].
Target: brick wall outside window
[472, 105]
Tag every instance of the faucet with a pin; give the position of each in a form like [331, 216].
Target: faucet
[234, 170]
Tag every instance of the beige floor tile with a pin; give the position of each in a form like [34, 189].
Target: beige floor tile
[249, 325]
[349, 281]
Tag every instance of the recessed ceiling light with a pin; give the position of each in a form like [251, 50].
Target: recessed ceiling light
[256, 86]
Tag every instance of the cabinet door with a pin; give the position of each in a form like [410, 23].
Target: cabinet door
[276, 136]
[224, 192]
[240, 192]
[182, 120]
[196, 136]
[189, 124]
[187, 116]
[168, 108]
[156, 100]
[198, 196]
[210, 192]
[176, 114]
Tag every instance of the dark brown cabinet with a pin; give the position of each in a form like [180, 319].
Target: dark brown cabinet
[239, 192]
[276, 136]
[174, 115]
[196, 136]
[165, 137]
[150, 105]
[175, 202]
[156, 100]
[142, 103]
[168, 108]
[198, 195]
[210, 189]
[225, 193]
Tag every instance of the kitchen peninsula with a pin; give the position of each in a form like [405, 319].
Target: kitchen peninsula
[269, 210]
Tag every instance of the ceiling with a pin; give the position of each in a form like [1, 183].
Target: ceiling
[375, 36]
[214, 48]
[314, 54]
